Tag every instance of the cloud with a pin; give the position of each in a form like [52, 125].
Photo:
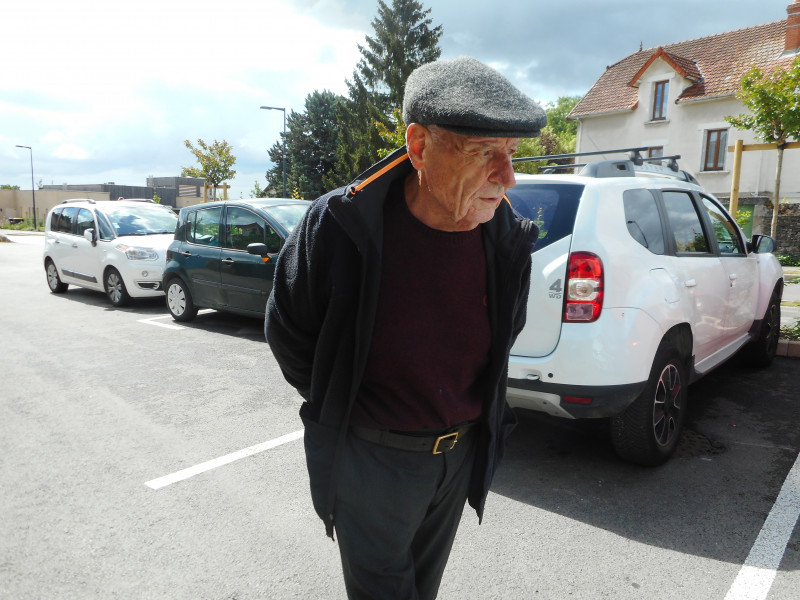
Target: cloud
[69, 152]
[109, 91]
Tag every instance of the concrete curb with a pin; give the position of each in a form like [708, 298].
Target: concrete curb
[788, 348]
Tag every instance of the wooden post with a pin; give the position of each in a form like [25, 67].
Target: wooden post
[733, 206]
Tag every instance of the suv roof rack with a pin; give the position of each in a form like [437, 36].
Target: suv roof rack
[135, 199]
[89, 200]
[635, 164]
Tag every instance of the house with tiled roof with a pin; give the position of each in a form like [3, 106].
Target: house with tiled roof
[673, 99]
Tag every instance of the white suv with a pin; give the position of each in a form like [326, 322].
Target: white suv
[640, 285]
[116, 247]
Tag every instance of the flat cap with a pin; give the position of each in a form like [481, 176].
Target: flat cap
[465, 96]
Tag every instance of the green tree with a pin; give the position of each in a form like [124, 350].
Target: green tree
[392, 139]
[557, 116]
[403, 39]
[258, 191]
[312, 138]
[774, 103]
[558, 137]
[216, 162]
[7, 186]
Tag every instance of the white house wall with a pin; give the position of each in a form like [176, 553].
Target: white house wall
[683, 133]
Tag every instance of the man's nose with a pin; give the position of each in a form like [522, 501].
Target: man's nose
[503, 172]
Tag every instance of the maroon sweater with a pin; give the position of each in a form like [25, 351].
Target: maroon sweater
[430, 345]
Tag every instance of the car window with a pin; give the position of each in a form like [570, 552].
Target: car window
[643, 219]
[243, 227]
[144, 219]
[287, 215]
[106, 231]
[687, 230]
[85, 221]
[551, 206]
[203, 227]
[54, 216]
[67, 219]
[725, 230]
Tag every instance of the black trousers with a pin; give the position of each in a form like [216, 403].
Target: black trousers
[397, 513]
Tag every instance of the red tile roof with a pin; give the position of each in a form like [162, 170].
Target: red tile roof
[714, 64]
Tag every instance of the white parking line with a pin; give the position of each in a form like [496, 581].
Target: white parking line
[152, 321]
[758, 573]
[166, 480]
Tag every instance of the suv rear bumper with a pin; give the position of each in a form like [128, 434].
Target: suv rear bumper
[595, 401]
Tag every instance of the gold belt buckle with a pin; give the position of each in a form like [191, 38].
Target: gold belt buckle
[452, 438]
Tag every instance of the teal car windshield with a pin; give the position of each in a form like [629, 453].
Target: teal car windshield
[288, 215]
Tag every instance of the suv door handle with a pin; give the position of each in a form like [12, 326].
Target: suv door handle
[228, 261]
[690, 283]
[186, 253]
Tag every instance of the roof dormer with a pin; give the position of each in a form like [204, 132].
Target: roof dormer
[684, 67]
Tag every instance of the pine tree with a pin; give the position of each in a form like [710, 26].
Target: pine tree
[403, 40]
[312, 138]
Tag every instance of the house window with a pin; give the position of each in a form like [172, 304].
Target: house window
[655, 151]
[660, 93]
[715, 143]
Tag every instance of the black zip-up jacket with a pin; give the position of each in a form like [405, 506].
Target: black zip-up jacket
[322, 308]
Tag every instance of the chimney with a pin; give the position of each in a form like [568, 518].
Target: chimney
[792, 27]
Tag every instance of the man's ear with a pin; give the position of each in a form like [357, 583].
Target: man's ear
[417, 138]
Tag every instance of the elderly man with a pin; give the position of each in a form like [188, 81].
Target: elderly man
[395, 304]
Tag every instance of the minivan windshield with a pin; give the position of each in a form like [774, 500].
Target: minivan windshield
[145, 219]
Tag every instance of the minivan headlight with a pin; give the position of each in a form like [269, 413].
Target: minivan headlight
[138, 253]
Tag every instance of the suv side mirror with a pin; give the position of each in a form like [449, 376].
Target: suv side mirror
[91, 235]
[762, 244]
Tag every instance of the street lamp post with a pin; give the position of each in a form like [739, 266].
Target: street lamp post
[33, 193]
[284, 143]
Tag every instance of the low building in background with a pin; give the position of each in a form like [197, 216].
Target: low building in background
[176, 192]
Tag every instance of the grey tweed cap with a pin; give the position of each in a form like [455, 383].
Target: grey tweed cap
[465, 96]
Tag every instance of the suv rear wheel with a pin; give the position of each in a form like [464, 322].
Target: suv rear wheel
[648, 431]
[762, 350]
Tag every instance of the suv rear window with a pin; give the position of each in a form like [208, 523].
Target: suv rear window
[551, 206]
[643, 220]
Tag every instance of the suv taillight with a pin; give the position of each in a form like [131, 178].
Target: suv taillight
[584, 289]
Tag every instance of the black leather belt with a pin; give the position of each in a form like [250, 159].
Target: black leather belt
[434, 443]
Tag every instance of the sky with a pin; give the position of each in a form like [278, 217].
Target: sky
[108, 91]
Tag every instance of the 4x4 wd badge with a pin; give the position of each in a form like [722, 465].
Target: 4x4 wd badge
[556, 289]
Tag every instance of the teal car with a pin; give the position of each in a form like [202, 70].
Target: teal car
[223, 255]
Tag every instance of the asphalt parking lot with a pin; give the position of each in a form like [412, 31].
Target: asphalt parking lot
[146, 459]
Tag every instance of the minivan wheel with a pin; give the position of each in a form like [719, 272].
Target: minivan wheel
[115, 288]
[179, 301]
[762, 350]
[53, 280]
[648, 431]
